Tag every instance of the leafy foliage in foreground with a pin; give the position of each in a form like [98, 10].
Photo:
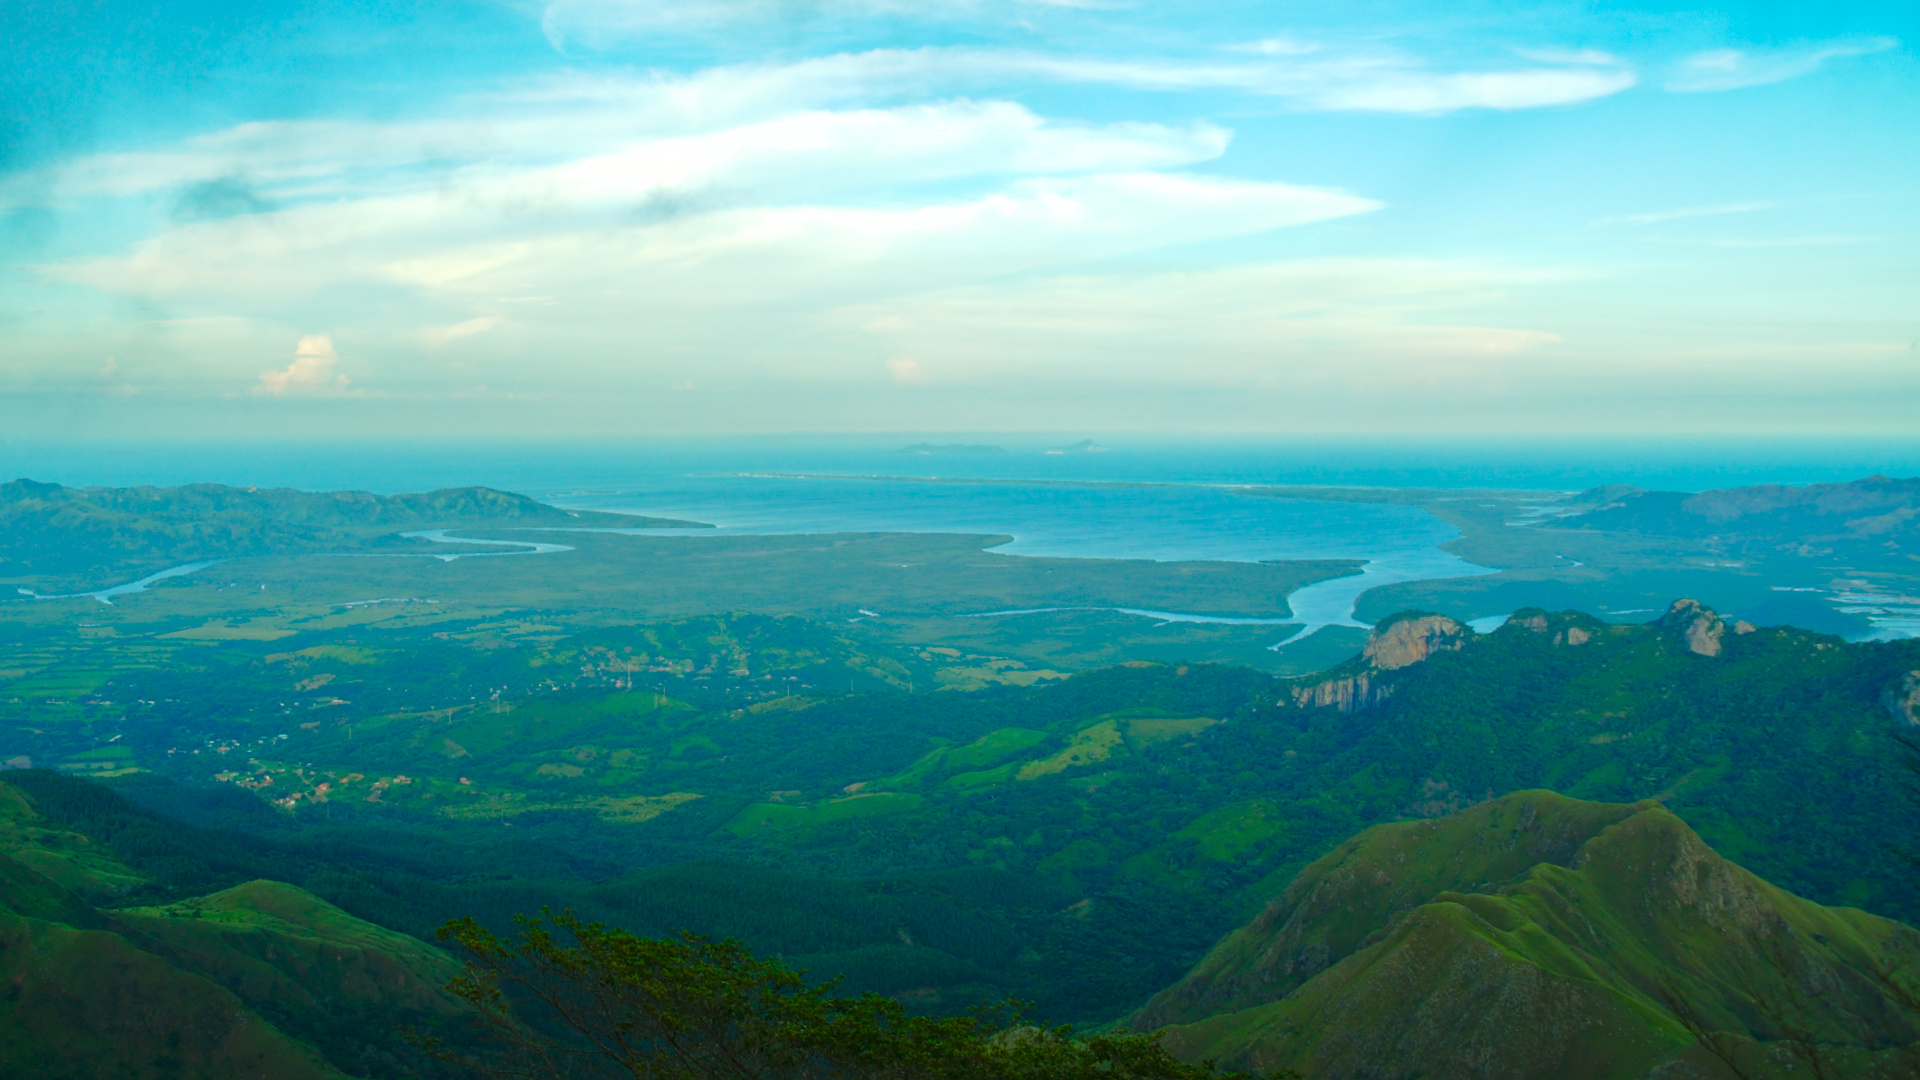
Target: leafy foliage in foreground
[688, 1008]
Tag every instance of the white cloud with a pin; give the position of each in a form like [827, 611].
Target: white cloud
[1400, 321]
[310, 375]
[1682, 213]
[834, 193]
[700, 128]
[1734, 69]
[438, 336]
[906, 371]
[1275, 46]
[482, 245]
[1355, 83]
[605, 21]
[1569, 56]
[551, 121]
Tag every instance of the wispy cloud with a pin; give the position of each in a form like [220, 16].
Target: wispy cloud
[1389, 83]
[1814, 240]
[438, 336]
[1275, 46]
[573, 117]
[599, 22]
[1734, 69]
[1304, 322]
[1657, 217]
[697, 126]
[1570, 56]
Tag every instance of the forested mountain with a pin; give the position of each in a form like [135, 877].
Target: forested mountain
[1075, 842]
[54, 532]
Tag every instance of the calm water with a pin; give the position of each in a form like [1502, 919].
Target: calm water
[1165, 501]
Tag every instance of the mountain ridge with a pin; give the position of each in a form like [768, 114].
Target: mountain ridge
[51, 532]
[1404, 951]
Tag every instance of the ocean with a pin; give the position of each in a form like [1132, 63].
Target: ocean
[1138, 499]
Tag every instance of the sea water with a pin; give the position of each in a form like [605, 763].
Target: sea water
[1140, 500]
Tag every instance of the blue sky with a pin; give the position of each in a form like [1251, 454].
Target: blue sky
[596, 217]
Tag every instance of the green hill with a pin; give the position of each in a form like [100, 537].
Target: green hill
[56, 536]
[1542, 936]
[259, 980]
[1078, 843]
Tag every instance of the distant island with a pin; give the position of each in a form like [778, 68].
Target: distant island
[1084, 446]
[951, 448]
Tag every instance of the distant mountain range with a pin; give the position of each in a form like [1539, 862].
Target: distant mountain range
[1875, 515]
[51, 533]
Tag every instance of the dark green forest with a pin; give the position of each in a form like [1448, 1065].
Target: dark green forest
[1077, 844]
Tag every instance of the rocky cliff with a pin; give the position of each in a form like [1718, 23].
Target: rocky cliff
[1396, 643]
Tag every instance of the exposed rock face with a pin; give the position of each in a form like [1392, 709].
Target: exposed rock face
[1410, 641]
[1398, 644]
[1577, 636]
[1699, 626]
[1351, 694]
[1905, 702]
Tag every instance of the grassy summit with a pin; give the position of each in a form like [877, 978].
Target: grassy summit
[1537, 935]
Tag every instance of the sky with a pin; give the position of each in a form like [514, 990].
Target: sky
[591, 218]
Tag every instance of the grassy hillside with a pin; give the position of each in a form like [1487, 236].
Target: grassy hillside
[84, 1001]
[259, 980]
[1537, 935]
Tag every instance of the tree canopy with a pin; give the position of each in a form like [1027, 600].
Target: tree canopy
[569, 998]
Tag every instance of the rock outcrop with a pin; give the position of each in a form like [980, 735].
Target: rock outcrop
[1397, 643]
[1904, 702]
[1352, 693]
[1406, 641]
[1698, 625]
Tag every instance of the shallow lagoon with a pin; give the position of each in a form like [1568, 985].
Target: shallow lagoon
[1164, 522]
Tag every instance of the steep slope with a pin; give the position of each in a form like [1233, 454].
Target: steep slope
[1779, 746]
[1538, 936]
[262, 979]
[82, 1001]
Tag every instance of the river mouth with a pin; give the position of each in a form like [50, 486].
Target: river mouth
[438, 536]
[106, 596]
[1316, 606]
